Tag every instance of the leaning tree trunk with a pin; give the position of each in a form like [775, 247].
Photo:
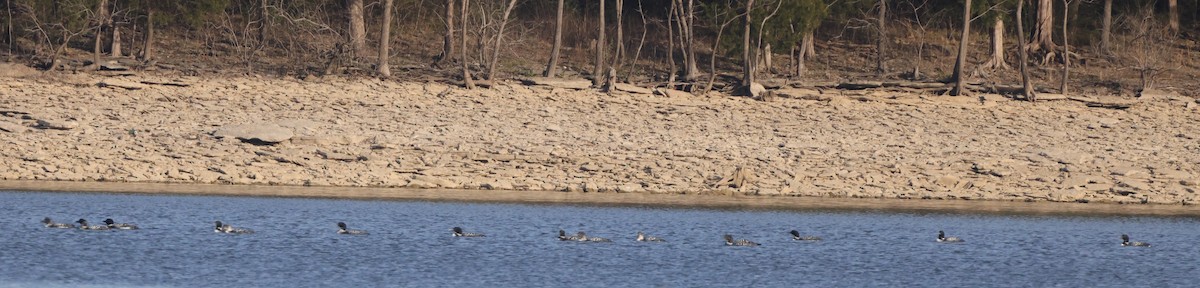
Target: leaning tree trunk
[1173, 16]
[466, 73]
[880, 66]
[102, 21]
[1066, 49]
[552, 67]
[499, 39]
[448, 38]
[1027, 87]
[148, 46]
[358, 29]
[385, 38]
[1106, 29]
[959, 74]
[1044, 30]
[747, 56]
[598, 71]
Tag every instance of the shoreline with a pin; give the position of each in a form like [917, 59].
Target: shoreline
[740, 202]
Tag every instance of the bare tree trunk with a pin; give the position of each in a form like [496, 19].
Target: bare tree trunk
[691, 70]
[810, 45]
[385, 39]
[880, 67]
[1066, 48]
[762, 55]
[101, 23]
[358, 28]
[448, 38]
[1023, 55]
[8, 9]
[265, 17]
[552, 67]
[959, 74]
[598, 72]
[1173, 16]
[466, 73]
[671, 17]
[499, 39]
[1106, 30]
[712, 61]
[115, 47]
[1044, 32]
[997, 61]
[148, 47]
[747, 55]
[620, 36]
[638, 53]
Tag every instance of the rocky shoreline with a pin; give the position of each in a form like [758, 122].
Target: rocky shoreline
[373, 133]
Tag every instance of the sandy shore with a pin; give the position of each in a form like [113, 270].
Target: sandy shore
[371, 133]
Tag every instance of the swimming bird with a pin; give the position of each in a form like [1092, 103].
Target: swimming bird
[228, 229]
[641, 237]
[50, 224]
[796, 236]
[562, 235]
[122, 226]
[342, 230]
[942, 238]
[584, 238]
[1125, 242]
[458, 232]
[742, 242]
[83, 225]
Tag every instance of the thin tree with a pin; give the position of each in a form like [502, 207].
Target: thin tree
[448, 38]
[1106, 29]
[385, 38]
[114, 47]
[959, 74]
[1027, 87]
[148, 46]
[620, 36]
[358, 28]
[552, 67]
[491, 74]
[766, 56]
[747, 56]
[102, 20]
[1066, 48]
[671, 44]
[880, 66]
[466, 73]
[691, 71]
[1173, 16]
[598, 72]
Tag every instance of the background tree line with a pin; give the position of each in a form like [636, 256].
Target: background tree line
[686, 44]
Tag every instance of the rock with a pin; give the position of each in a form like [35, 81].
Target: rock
[118, 83]
[340, 156]
[577, 84]
[628, 88]
[948, 181]
[57, 124]
[424, 181]
[113, 66]
[12, 127]
[755, 90]
[269, 133]
[674, 93]
[1066, 156]
[15, 70]
[590, 168]
[497, 185]
[1108, 122]
[1129, 172]
[803, 94]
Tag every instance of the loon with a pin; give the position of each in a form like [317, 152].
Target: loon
[641, 237]
[458, 232]
[942, 238]
[50, 224]
[584, 238]
[342, 230]
[1125, 242]
[122, 226]
[743, 242]
[83, 225]
[562, 235]
[796, 236]
[227, 229]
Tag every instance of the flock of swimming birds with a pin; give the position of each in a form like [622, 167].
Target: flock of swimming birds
[580, 236]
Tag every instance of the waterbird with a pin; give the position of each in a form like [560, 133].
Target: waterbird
[458, 232]
[742, 242]
[122, 226]
[942, 238]
[562, 235]
[343, 230]
[584, 238]
[229, 229]
[83, 225]
[50, 224]
[641, 237]
[796, 236]
[1125, 242]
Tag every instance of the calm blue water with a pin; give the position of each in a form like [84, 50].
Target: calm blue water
[410, 245]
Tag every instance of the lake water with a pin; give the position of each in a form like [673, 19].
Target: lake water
[410, 245]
